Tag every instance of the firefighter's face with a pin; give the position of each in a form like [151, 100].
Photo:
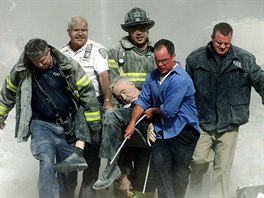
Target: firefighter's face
[139, 36]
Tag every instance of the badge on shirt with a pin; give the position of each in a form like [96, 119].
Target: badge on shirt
[88, 51]
[103, 52]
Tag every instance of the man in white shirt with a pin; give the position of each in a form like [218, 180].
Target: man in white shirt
[92, 56]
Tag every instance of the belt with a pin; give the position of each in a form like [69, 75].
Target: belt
[58, 122]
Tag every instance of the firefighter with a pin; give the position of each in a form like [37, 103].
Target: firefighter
[49, 91]
[131, 57]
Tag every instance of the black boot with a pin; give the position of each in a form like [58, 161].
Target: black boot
[75, 162]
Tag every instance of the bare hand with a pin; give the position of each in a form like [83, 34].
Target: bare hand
[151, 134]
[149, 112]
[108, 105]
[129, 130]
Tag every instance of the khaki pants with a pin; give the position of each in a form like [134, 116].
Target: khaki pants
[218, 148]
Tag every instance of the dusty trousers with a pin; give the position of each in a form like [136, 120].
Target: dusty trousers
[134, 156]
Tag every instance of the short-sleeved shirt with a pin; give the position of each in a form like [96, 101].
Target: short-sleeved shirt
[93, 59]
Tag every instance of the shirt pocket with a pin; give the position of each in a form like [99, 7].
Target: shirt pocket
[88, 66]
[87, 63]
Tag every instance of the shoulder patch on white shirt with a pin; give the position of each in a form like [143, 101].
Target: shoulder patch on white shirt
[88, 51]
[103, 52]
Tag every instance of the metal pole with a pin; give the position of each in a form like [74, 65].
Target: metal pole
[124, 141]
[147, 173]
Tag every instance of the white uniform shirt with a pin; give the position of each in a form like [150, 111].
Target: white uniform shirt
[93, 59]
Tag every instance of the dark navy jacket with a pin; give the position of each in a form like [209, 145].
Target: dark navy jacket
[222, 97]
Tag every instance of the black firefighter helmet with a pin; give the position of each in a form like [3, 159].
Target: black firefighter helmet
[135, 17]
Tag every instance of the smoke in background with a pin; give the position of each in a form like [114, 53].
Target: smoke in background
[187, 23]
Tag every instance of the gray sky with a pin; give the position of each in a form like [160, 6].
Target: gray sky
[188, 23]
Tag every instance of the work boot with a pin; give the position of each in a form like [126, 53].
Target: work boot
[75, 162]
[111, 173]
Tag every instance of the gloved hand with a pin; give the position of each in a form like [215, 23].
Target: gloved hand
[151, 134]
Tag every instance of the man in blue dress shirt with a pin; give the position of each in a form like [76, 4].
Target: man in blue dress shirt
[167, 97]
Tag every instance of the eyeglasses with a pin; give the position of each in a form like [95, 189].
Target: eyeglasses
[163, 61]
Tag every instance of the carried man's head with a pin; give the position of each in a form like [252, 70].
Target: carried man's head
[125, 90]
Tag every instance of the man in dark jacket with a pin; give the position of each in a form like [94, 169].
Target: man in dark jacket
[223, 75]
[47, 89]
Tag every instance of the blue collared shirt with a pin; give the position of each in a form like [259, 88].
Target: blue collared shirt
[175, 97]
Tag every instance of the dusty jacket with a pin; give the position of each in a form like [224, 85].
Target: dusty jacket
[125, 59]
[222, 97]
[17, 89]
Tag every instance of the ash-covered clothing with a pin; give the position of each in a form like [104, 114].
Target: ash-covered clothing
[223, 86]
[175, 97]
[55, 86]
[48, 143]
[48, 139]
[17, 89]
[93, 59]
[126, 59]
[115, 122]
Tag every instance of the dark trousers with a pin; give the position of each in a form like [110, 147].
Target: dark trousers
[134, 157]
[67, 184]
[172, 158]
[134, 162]
[90, 175]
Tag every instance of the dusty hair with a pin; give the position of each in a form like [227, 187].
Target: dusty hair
[36, 48]
[119, 79]
[76, 19]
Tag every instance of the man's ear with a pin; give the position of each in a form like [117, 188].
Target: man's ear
[174, 57]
